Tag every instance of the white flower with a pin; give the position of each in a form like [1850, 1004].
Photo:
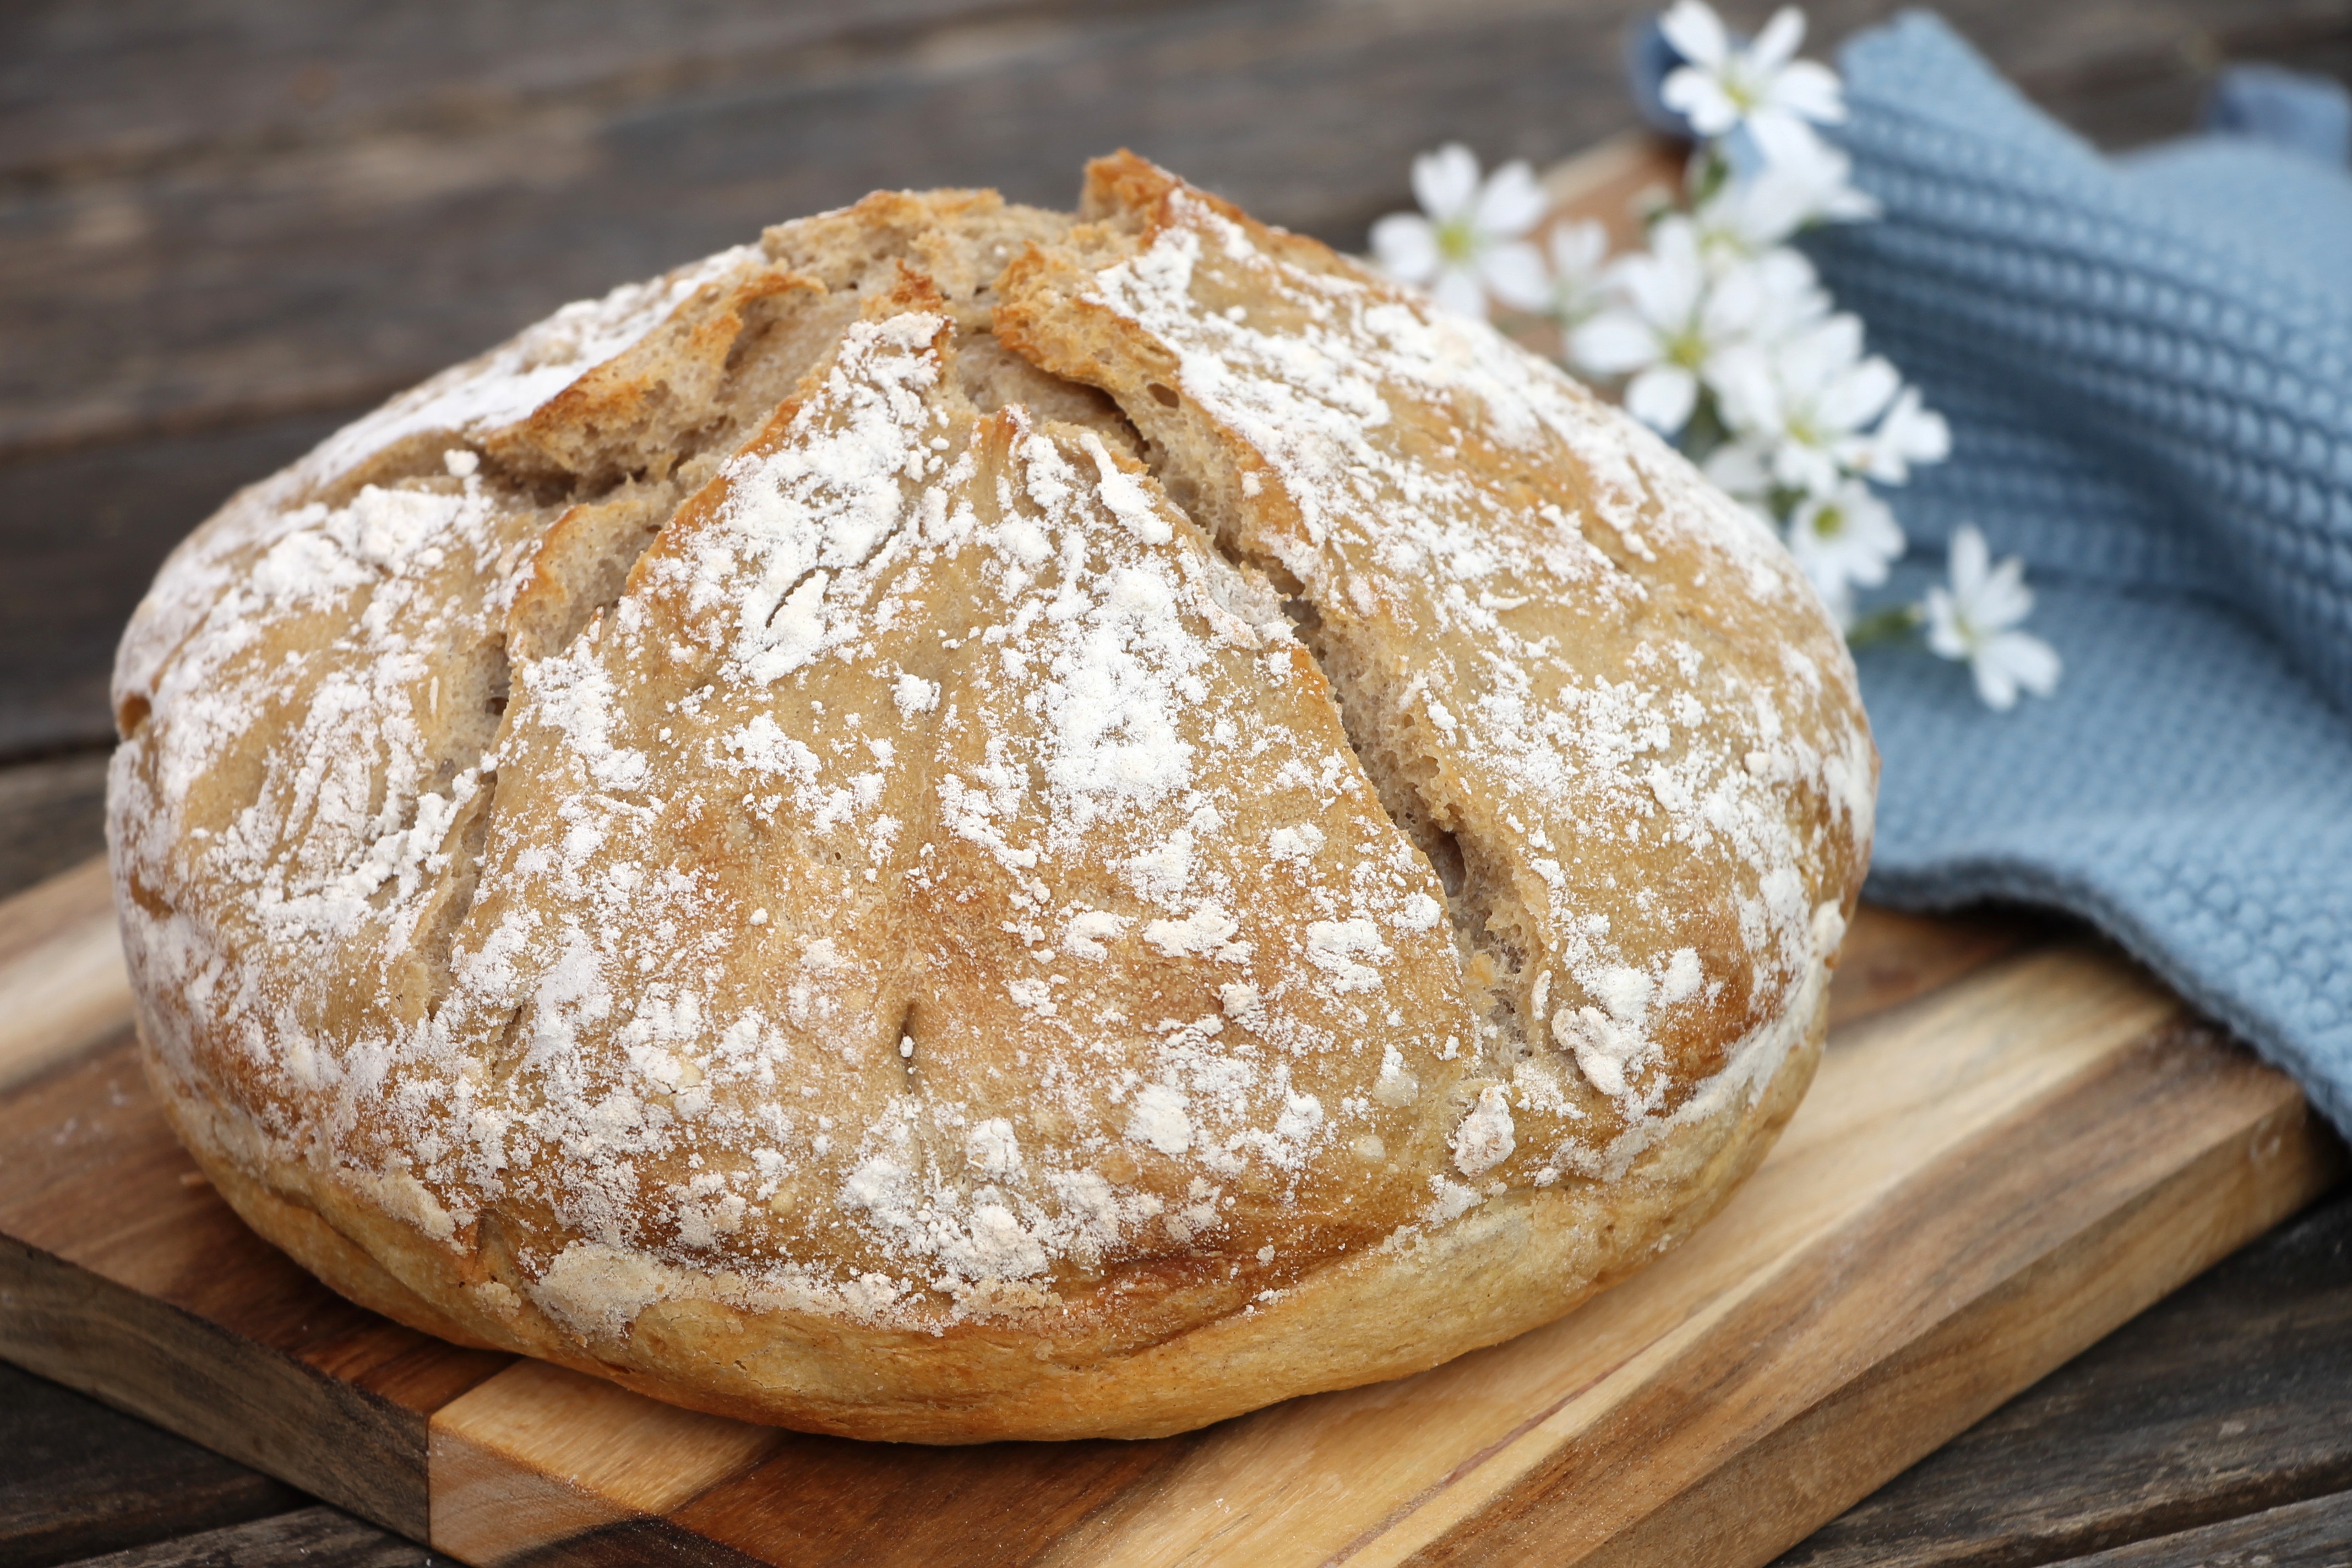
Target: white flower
[1672, 325]
[1843, 540]
[1759, 86]
[1976, 620]
[1750, 215]
[1577, 252]
[1790, 297]
[1799, 406]
[1745, 473]
[1909, 434]
[1468, 241]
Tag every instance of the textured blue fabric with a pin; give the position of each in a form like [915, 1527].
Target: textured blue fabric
[2147, 366]
[2285, 107]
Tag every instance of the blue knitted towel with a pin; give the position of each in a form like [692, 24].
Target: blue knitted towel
[2146, 362]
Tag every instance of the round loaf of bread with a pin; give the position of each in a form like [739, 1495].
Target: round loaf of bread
[969, 823]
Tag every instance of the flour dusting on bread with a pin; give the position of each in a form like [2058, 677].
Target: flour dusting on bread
[1068, 791]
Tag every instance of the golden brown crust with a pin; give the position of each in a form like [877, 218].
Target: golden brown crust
[966, 825]
[1507, 1267]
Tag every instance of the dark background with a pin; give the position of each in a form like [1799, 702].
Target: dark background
[228, 225]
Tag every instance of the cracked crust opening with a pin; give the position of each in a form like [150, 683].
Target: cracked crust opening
[971, 824]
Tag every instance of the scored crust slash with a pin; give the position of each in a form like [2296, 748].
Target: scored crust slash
[969, 823]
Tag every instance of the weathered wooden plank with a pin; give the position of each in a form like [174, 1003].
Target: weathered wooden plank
[996, 1505]
[91, 89]
[2232, 1396]
[52, 817]
[82, 532]
[123, 1274]
[2316, 1533]
[2127, 75]
[230, 1392]
[341, 269]
[79, 1479]
[86, 89]
[293, 271]
[300, 1537]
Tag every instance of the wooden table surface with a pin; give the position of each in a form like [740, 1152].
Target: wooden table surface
[228, 225]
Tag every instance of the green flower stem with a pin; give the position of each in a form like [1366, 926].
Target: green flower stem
[1889, 625]
[1708, 172]
[1705, 432]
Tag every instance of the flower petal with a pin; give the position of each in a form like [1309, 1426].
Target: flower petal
[1969, 560]
[1666, 285]
[2002, 599]
[1662, 397]
[1854, 397]
[2026, 660]
[1947, 638]
[1909, 434]
[1405, 246]
[1779, 40]
[1515, 275]
[1811, 361]
[1738, 307]
[1747, 392]
[1781, 135]
[1612, 343]
[1995, 684]
[1699, 99]
[1695, 32]
[1864, 542]
[1511, 202]
[1836, 597]
[1738, 469]
[1577, 248]
[1803, 467]
[1445, 183]
[1769, 207]
[1809, 90]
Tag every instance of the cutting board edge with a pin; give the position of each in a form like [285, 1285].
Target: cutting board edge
[214, 1386]
[2281, 1160]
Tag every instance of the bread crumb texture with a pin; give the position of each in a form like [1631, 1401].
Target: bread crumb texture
[972, 823]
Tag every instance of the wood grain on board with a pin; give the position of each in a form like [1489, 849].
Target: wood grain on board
[2013, 1146]
[2232, 1397]
[60, 969]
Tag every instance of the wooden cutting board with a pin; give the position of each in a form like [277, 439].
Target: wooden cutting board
[2016, 1141]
